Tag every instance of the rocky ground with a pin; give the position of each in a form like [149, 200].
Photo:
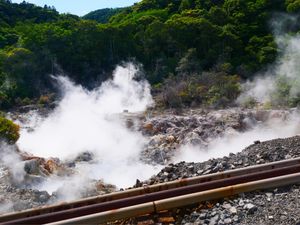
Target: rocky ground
[19, 182]
[168, 131]
[276, 206]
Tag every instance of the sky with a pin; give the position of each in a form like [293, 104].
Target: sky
[80, 7]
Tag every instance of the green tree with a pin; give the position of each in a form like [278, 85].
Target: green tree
[9, 131]
[189, 63]
[292, 6]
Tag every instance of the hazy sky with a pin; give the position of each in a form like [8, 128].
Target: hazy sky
[80, 7]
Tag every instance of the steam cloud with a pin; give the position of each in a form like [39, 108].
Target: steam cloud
[272, 128]
[12, 160]
[89, 121]
[278, 85]
[283, 77]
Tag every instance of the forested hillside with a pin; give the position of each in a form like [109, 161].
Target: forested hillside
[102, 15]
[200, 48]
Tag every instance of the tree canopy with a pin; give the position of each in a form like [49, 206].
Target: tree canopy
[169, 37]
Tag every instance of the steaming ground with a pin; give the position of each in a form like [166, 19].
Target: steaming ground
[280, 84]
[281, 127]
[89, 121]
[85, 122]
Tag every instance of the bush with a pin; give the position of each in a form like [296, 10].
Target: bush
[9, 131]
[213, 89]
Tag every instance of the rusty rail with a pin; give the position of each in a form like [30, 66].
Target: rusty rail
[147, 190]
[156, 196]
[181, 201]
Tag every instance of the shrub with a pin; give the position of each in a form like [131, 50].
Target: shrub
[9, 131]
[214, 88]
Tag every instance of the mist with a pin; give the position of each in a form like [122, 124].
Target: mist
[280, 84]
[91, 121]
[234, 141]
[10, 159]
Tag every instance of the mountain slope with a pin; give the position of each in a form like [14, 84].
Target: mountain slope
[177, 41]
[102, 15]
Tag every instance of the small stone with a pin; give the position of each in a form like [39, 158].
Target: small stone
[236, 218]
[215, 218]
[221, 222]
[288, 156]
[226, 206]
[202, 216]
[233, 210]
[191, 167]
[171, 139]
[207, 172]
[282, 218]
[250, 207]
[241, 203]
[199, 171]
[269, 194]
[227, 221]
[271, 217]
[213, 213]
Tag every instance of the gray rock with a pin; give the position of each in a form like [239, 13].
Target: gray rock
[32, 167]
[233, 210]
[202, 216]
[228, 221]
[250, 208]
[226, 206]
[214, 220]
[236, 218]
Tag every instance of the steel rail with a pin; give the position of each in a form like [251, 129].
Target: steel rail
[181, 201]
[116, 204]
[148, 189]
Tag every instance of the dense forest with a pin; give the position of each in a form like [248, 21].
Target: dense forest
[103, 15]
[200, 49]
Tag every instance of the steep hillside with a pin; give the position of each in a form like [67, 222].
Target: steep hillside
[176, 41]
[102, 15]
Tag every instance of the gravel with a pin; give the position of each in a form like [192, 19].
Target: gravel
[166, 133]
[275, 206]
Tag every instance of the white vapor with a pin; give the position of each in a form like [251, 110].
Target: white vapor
[10, 159]
[233, 142]
[281, 82]
[90, 121]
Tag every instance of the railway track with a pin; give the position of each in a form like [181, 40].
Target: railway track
[159, 197]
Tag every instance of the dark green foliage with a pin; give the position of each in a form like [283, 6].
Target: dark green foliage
[9, 131]
[286, 93]
[293, 5]
[178, 38]
[12, 13]
[213, 89]
[189, 64]
[102, 15]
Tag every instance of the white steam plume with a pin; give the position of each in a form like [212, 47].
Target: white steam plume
[283, 77]
[10, 159]
[89, 121]
[234, 142]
